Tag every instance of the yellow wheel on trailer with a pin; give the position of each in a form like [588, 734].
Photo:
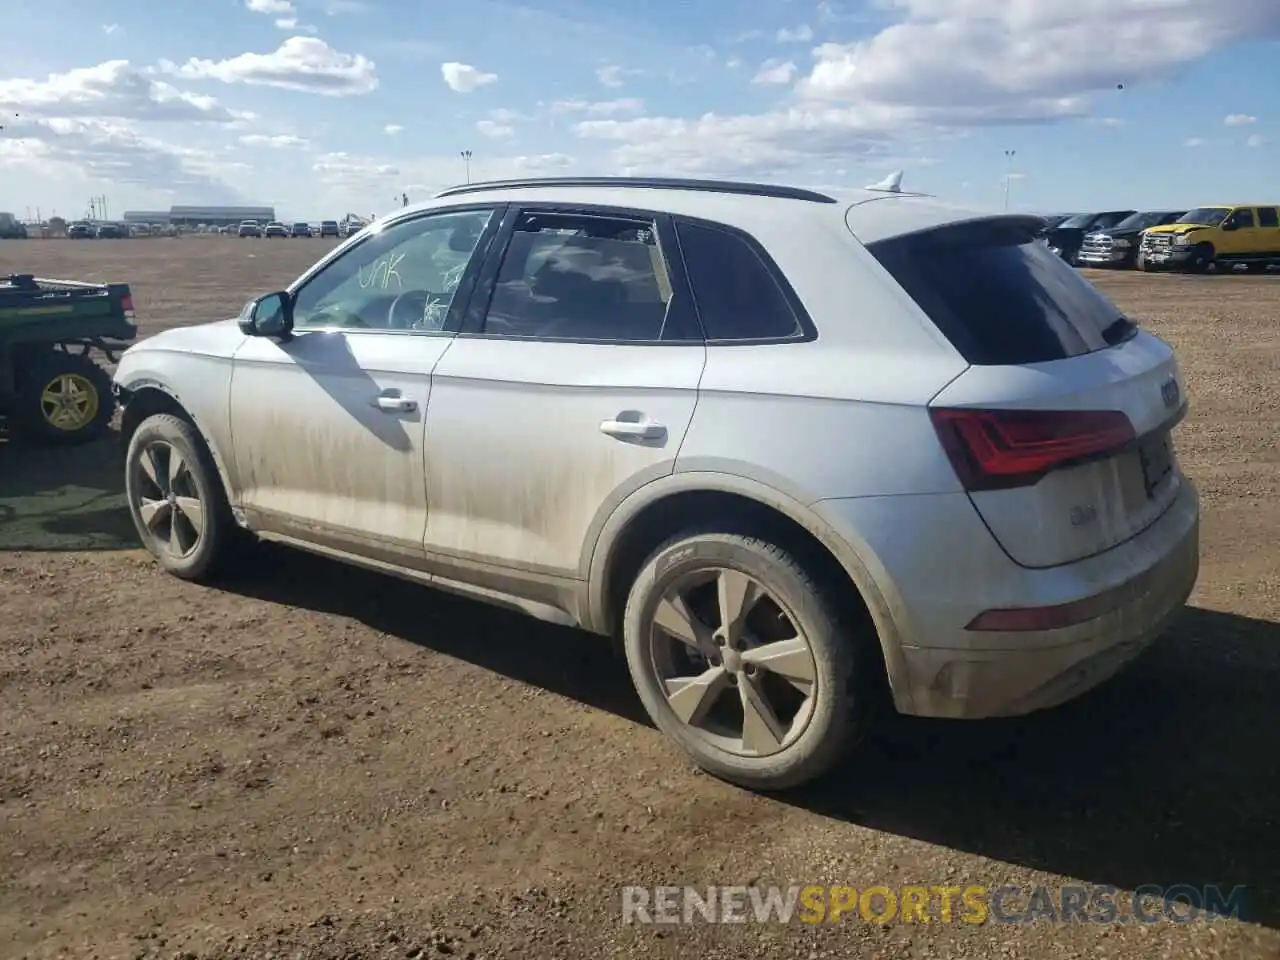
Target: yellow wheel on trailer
[62, 398]
[69, 402]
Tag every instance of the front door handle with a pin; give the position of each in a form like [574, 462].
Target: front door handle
[395, 403]
[642, 429]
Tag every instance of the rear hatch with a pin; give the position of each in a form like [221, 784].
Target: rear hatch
[1060, 427]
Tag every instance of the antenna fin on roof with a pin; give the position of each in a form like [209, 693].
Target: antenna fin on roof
[890, 184]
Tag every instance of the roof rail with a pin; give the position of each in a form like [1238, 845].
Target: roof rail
[648, 183]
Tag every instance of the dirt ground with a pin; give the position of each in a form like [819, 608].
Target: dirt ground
[310, 761]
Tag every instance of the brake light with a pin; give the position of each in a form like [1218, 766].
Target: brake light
[1003, 449]
[126, 304]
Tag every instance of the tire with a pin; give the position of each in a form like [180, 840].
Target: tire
[62, 398]
[196, 557]
[1201, 258]
[1140, 262]
[834, 716]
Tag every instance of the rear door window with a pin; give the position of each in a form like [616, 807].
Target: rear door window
[1267, 217]
[999, 295]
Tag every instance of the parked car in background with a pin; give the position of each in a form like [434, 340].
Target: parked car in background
[111, 231]
[1002, 525]
[300, 229]
[328, 228]
[81, 230]
[249, 228]
[1218, 236]
[1051, 220]
[1120, 246]
[275, 229]
[1066, 238]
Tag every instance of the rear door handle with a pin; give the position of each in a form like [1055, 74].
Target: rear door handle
[633, 429]
[395, 403]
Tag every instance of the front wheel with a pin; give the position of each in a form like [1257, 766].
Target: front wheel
[742, 659]
[176, 498]
[1201, 258]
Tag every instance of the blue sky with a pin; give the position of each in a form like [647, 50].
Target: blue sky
[326, 106]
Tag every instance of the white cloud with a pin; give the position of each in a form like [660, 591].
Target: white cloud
[998, 60]
[464, 78]
[765, 144]
[110, 90]
[491, 128]
[112, 151]
[598, 108]
[391, 129]
[801, 34]
[1238, 119]
[503, 115]
[277, 141]
[542, 161]
[1193, 142]
[110, 28]
[306, 64]
[1256, 140]
[610, 75]
[775, 73]
[282, 7]
[946, 65]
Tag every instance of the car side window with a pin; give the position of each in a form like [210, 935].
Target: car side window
[1267, 217]
[1242, 218]
[402, 277]
[735, 291]
[578, 276]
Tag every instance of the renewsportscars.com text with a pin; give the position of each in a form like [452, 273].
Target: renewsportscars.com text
[814, 904]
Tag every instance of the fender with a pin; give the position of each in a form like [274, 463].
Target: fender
[855, 558]
[126, 392]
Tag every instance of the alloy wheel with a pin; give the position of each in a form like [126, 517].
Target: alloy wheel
[731, 662]
[168, 500]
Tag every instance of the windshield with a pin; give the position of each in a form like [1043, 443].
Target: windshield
[1079, 220]
[1205, 216]
[1140, 221]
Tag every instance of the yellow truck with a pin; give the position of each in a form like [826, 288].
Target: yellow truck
[1222, 236]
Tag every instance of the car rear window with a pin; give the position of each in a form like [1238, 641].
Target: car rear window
[1001, 296]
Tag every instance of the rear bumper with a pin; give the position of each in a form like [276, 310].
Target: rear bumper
[944, 670]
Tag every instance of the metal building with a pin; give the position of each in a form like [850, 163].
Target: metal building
[146, 216]
[219, 216]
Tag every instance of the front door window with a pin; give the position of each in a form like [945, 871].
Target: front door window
[400, 278]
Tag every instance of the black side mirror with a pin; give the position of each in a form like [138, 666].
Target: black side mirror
[270, 315]
[1229, 225]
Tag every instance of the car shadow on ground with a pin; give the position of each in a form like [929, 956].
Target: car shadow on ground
[63, 498]
[1167, 775]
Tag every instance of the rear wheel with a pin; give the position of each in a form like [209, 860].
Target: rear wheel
[63, 398]
[742, 658]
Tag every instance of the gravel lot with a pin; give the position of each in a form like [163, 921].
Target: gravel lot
[311, 761]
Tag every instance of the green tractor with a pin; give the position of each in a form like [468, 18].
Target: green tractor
[52, 390]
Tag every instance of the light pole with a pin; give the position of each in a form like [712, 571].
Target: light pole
[466, 163]
[1008, 175]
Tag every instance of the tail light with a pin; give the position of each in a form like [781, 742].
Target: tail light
[126, 304]
[1003, 449]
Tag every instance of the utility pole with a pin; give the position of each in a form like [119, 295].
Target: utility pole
[1008, 175]
[466, 162]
